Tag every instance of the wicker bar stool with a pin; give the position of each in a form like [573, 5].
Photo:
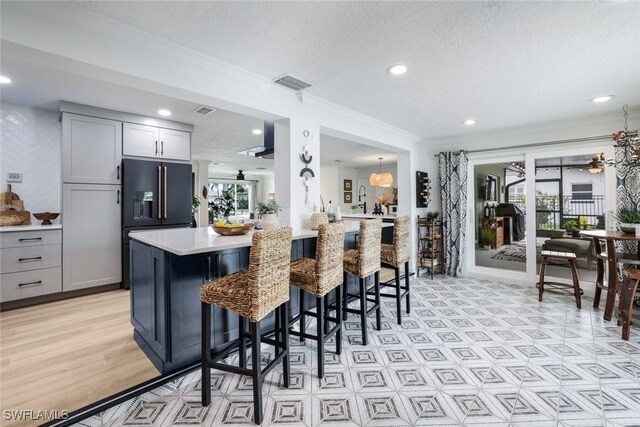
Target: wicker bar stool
[570, 257]
[362, 263]
[319, 277]
[395, 255]
[252, 294]
[627, 293]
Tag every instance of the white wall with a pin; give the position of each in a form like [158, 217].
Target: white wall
[30, 145]
[330, 186]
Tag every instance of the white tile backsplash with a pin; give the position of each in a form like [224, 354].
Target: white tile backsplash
[30, 145]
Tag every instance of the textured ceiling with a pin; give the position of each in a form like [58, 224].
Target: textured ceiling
[351, 154]
[506, 64]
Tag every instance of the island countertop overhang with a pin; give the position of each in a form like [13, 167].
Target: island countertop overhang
[189, 241]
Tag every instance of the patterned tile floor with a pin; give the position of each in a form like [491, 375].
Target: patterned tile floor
[472, 352]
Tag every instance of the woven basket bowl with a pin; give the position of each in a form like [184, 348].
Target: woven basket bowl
[238, 231]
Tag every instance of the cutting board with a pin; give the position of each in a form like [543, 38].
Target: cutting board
[15, 214]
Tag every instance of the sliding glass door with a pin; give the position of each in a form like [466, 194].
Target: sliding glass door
[521, 205]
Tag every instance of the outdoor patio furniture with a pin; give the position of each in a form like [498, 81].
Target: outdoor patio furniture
[582, 248]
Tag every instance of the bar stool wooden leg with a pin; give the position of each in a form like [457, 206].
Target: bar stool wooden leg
[242, 353]
[376, 284]
[629, 289]
[303, 320]
[256, 371]
[621, 300]
[541, 283]
[576, 282]
[599, 282]
[206, 354]
[363, 309]
[398, 298]
[406, 281]
[339, 319]
[286, 366]
[321, 330]
[345, 292]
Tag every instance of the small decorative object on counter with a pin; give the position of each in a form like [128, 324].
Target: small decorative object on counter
[338, 215]
[231, 229]
[354, 208]
[46, 217]
[269, 214]
[330, 212]
[317, 219]
[12, 209]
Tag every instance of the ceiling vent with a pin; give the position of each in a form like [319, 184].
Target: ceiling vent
[291, 83]
[204, 110]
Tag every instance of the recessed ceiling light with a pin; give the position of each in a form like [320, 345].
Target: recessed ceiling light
[164, 112]
[257, 132]
[469, 122]
[599, 99]
[4, 79]
[397, 70]
[217, 163]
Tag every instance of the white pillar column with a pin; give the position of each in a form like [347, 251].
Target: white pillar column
[201, 169]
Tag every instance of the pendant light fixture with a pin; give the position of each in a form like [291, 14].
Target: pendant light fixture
[381, 179]
[240, 176]
[596, 164]
[627, 145]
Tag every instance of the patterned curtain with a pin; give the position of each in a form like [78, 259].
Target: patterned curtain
[627, 197]
[453, 196]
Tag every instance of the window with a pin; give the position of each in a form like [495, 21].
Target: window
[582, 192]
[230, 199]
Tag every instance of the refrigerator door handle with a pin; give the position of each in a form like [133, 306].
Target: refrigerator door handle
[164, 198]
[159, 192]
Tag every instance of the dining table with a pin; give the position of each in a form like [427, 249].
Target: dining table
[612, 258]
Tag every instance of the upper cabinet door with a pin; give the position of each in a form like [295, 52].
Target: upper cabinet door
[91, 150]
[140, 140]
[174, 144]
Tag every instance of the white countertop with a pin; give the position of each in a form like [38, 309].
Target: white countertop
[368, 216]
[188, 241]
[30, 227]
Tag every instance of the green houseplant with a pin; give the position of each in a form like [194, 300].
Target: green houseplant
[432, 215]
[629, 219]
[486, 237]
[571, 227]
[268, 214]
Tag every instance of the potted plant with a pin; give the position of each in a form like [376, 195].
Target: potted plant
[195, 204]
[268, 214]
[629, 219]
[486, 237]
[571, 227]
[354, 209]
[432, 215]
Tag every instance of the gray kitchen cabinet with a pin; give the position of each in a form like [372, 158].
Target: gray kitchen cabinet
[154, 142]
[91, 150]
[91, 240]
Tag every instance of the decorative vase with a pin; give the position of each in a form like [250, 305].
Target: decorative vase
[269, 221]
[317, 219]
[338, 216]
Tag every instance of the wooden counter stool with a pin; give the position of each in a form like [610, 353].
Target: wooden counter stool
[395, 255]
[571, 259]
[627, 293]
[362, 263]
[319, 277]
[251, 294]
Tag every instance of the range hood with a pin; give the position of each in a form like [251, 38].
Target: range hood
[265, 151]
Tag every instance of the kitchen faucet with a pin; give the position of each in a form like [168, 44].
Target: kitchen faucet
[362, 193]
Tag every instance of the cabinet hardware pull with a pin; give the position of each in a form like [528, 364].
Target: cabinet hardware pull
[118, 197]
[39, 282]
[156, 148]
[118, 173]
[164, 198]
[30, 239]
[162, 148]
[33, 258]
[159, 192]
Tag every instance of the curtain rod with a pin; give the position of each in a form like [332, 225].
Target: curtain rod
[535, 144]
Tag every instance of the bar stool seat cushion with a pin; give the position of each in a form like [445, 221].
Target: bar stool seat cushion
[303, 274]
[229, 292]
[351, 261]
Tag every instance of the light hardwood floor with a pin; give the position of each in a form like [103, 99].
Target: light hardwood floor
[67, 354]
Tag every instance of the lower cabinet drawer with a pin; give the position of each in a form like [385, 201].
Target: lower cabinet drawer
[27, 284]
[30, 258]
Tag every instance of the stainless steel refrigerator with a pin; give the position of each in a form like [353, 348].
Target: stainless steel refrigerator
[154, 195]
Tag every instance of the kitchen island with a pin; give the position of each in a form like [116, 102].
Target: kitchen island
[169, 266]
